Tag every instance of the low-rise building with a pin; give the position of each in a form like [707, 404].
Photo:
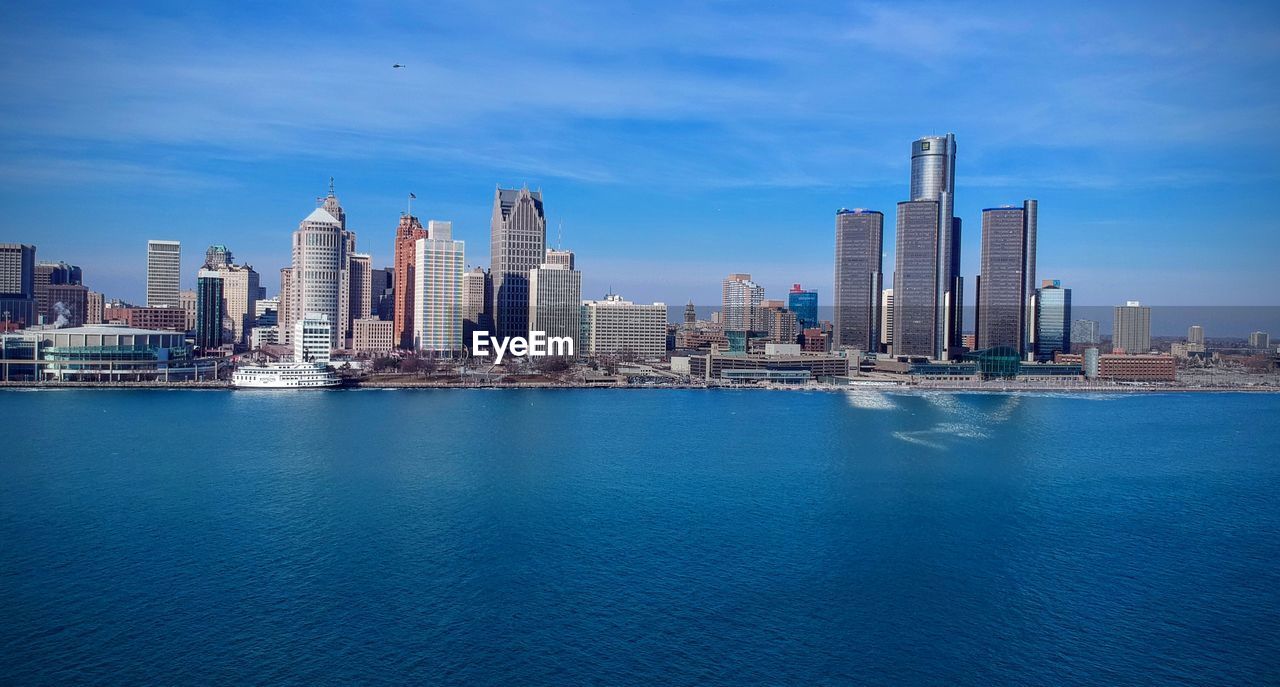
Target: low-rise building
[101, 353]
[1154, 367]
[372, 336]
[738, 368]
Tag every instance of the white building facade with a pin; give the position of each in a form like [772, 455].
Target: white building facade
[164, 274]
[312, 338]
[439, 268]
[615, 326]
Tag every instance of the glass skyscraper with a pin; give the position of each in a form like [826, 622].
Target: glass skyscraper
[804, 303]
[1054, 326]
[1005, 315]
[208, 309]
[517, 244]
[858, 277]
[917, 312]
[933, 168]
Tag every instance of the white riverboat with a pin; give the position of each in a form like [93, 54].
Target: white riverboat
[285, 376]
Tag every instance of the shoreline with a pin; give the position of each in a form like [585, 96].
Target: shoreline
[886, 387]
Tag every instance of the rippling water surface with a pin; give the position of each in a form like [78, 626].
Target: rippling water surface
[548, 537]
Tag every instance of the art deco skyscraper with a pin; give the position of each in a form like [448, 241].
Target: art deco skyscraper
[933, 168]
[164, 274]
[407, 235]
[858, 278]
[517, 244]
[1006, 286]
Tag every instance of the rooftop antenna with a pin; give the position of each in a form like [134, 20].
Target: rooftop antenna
[330, 187]
[410, 212]
[559, 234]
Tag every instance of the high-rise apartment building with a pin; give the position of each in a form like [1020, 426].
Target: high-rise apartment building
[691, 313]
[517, 244]
[615, 326]
[1195, 334]
[1260, 340]
[408, 233]
[780, 323]
[932, 237]
[1054, 320]
[1006, 289]
[95, 307]
[17, 284]
[210, 299]
[804, 303]
[555, 299]
[360, 266]
[438, 269]
[740, 304]
[1132, 331]
[858, 279]
[164, 274]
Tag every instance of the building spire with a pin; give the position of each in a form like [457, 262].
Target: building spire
[331, 187]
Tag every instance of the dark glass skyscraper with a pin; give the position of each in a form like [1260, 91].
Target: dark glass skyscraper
[208, 310]
[517, 244]
[917, 312]
[1006, 291]
[804, 303]
[933, 169]
[858, 278]
[1054, 320]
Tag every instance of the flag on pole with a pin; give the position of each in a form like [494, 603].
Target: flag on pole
[413, 196]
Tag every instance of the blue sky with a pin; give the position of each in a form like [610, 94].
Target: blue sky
[674, 143]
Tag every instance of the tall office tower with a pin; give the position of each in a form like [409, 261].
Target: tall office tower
[1085, 332]
[780, 323]
[315, 281]
[555, 300]
[690, 313]
[68, 305]
[475, 303]
[858, 279]
[383, 288]
[1259, 340]
[886, 319]
[286, 314]
[555, 256]
[344, 290]
[933, 172]
[408, 233]
[48, 274]
[360, 266]
[615, 326]
[918, 315]
[1195, 334]
[1132, 331]
[1054, 320]
[1006, 300]
[164, 274]
[17, 284]
[437, 311]
[239, 299]
[209, 309]
[740, 304]
[517, 244]
[95, 306]
[188, 301]
[804, 303]
[216, 256]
